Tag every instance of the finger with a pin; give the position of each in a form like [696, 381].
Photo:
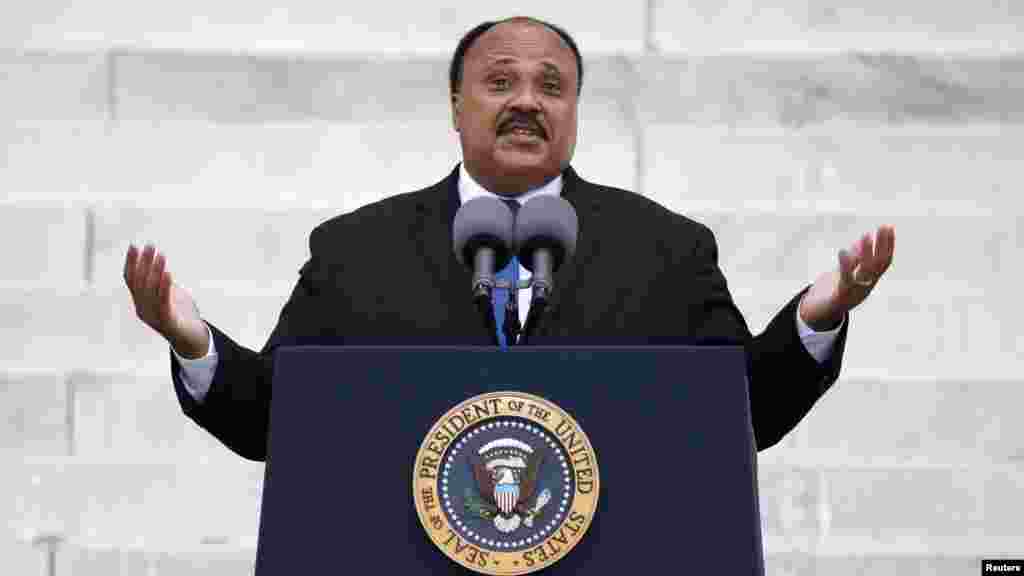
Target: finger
[131, 260]
[145, 264]
[856, 251]
[165, 293]
[885, 248]
[153, 286]
[155, 275]
[866, 271]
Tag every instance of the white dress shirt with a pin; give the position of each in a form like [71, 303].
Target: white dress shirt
[197, 375]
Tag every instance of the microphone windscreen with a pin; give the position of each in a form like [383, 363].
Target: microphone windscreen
[546, 222]
[483, 221]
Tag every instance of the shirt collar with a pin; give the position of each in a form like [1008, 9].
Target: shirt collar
[469, 189]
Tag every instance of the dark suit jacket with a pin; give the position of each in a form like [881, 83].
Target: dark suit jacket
[386, 273]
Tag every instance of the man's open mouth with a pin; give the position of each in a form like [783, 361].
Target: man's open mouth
[522, 129]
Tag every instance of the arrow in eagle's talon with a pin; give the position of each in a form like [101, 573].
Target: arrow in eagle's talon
[542, 501]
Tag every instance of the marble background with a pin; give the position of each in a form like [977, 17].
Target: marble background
[788, 126]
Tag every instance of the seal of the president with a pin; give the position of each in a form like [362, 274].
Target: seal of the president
[506, 483]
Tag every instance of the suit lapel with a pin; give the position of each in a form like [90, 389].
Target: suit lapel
[432, 236]
[584, 199]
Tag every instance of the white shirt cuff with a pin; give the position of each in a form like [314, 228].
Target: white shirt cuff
[197, 374]
[818, 344]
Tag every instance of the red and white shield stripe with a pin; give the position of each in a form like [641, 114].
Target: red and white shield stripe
[506, 496]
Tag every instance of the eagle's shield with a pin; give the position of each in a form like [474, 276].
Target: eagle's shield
[506, 496]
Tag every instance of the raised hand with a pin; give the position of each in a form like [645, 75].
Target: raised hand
[837, 292]
[162, 305]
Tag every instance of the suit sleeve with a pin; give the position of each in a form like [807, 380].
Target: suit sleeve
[785, 380]
[236, 409]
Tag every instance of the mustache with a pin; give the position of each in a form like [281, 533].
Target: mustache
[522, 121]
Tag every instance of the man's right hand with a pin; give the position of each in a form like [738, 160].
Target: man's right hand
[162, 305]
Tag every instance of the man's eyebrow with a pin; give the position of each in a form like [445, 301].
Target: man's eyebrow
[502, 60]
[549, 67]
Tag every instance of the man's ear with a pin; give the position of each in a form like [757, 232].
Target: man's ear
[456, 110]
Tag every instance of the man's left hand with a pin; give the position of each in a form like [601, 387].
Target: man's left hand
[837, 292]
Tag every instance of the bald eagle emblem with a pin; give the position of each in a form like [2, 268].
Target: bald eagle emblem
[506, 480]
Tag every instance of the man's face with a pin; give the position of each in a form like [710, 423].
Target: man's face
[516, 109]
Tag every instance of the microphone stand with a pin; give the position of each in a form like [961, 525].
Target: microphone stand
[482, 301]
[483, 289]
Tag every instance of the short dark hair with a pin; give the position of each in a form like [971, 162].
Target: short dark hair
[455, 70]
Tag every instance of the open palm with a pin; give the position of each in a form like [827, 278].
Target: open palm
[163, 305]
[837, 292]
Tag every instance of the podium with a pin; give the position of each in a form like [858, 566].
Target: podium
[670, 427]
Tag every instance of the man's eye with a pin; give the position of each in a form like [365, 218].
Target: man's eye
[551, 86]
[500, 83]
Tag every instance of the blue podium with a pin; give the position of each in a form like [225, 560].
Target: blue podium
[670, 427]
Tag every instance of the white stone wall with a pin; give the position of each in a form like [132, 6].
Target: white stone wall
[788, 126]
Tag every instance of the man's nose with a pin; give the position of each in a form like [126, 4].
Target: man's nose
[526, 99]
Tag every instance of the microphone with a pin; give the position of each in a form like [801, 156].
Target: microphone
[482, 236]
[545, 236]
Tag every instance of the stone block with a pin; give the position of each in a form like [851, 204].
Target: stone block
[206, 247]
[127, 345]
[214, 562]
[46, 329]
[21, 557]
[202, 559]
[53, 161]
[795, 564]
[797, 247]
[127, 416]
[920, 169]
[54, 86]
[791, 501]
[968, 511]
[99, 330]
[909, 329]
[34, 415]
[233, 89]
[56, 107]
[798, 91]
[103, 503]
[832, 26]
[304, 26]
[946, 345]
[925, 422]
[42, 245]
[53, 329]
[318, 165]
[79, 561]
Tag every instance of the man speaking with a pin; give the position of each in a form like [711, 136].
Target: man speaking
[387, 270]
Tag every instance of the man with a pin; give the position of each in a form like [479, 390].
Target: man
[640, 271]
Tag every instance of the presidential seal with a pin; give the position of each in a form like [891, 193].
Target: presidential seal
[506, 483]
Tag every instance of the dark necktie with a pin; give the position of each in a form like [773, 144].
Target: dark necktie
[506, 309]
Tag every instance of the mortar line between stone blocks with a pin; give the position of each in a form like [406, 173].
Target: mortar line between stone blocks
[69, 398]
[649, 46]
[51, 560]
[89, 263]
[824, 510]
[111, 119]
